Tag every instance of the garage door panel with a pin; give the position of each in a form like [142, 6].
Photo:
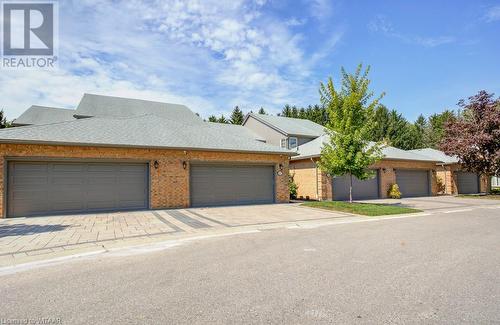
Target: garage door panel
[361, 190]
[54, 187]
[226, 185]
[413, 183]
[467, 182]
[67, 168]
[60, 180]
[31, 169]
[63, 206]
[30, 181]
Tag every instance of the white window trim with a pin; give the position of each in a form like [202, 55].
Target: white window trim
[296, 142]
[284, 143]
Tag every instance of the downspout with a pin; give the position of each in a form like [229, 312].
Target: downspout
[316, 170]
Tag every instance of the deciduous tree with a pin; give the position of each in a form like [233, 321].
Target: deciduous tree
[350, 109]
[474, 136]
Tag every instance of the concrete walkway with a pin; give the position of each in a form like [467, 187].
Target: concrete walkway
[438, 203]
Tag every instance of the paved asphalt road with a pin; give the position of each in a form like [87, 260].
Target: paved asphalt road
[433, 269]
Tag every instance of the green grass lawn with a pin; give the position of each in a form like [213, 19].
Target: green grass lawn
[475, 196]
[366, 209]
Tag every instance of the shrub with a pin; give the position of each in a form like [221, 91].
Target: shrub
[394, 192]
[495, 190]
[293, 188]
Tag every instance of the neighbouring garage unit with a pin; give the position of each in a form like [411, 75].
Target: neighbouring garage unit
[467, 183]
[361, 190]
[413, 183]
[119, 154]
[214, 184]
[52, 187]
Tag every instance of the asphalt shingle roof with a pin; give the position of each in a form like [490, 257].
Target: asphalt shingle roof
[437, 155]
[291, 126]
[108, 106]
[36, 115]
[313, 149]
[147, 131]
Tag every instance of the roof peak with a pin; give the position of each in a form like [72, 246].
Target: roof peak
[129, 98]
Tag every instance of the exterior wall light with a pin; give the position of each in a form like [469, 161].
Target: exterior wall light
[156, 164]
[280, 169]
[184, 165]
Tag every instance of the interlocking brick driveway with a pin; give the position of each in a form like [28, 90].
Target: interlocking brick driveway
[21, 237]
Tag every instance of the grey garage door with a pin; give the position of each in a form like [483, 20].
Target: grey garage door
[38, 188]
[413, 183]
[213, 185]
[361, 190]
[467, 183]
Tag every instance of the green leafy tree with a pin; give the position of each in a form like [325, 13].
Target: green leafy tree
[350, 109]
[262, 111]
[213, 118]
[236, 116]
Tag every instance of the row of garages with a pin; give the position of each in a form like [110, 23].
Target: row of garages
[55, 187]
[52, 187]
[412, 183]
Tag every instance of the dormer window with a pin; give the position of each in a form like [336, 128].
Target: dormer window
[284, 143]
[292, 142]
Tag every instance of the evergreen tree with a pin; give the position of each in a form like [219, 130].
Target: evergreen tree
[3, 120]
[420, 130]
[213, 118]
[262, 111]
[286, 111]
[222, 119]
[436, 127]
[237, 116]
[302, 113]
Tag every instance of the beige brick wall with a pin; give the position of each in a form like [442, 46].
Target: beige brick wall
[169, 183]
[388, 176]
[304, 172]
[447, 173]
[305, 175]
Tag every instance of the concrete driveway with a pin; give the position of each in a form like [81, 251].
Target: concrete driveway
[438, 203]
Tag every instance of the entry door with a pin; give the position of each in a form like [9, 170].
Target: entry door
[38, 188]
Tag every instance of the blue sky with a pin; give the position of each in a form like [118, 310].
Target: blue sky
[214, 54]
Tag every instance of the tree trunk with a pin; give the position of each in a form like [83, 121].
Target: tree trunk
[350, 188]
